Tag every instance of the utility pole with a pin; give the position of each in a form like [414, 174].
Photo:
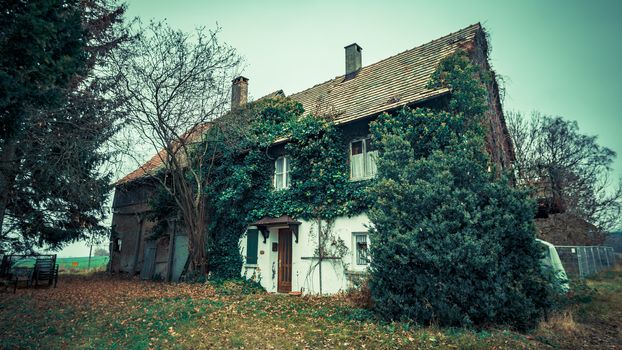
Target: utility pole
[90, 253]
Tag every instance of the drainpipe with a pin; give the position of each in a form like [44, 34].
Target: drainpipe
[320, 250]
[171, 253]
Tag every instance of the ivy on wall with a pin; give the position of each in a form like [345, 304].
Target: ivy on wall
[242, 189]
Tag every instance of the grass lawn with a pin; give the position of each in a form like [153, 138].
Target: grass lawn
[73, 264]
[102, 312]
[82, 263]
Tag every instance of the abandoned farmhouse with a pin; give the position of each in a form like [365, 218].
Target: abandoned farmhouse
[279, 252]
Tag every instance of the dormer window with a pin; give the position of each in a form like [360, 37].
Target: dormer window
[282, 175]
[362, 159]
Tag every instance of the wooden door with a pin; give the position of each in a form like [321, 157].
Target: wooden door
[180, 256]
[285, 261]
[149, 258]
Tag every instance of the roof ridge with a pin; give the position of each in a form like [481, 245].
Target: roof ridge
[475, 25]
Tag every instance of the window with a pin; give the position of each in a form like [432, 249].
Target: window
[360, 249]
[282, 173]
[362, 159]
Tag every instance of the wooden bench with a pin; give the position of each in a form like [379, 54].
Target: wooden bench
[46, 270]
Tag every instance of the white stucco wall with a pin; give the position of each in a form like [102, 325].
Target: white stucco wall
[305, 268]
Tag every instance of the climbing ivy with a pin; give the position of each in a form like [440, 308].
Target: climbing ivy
[242, 188]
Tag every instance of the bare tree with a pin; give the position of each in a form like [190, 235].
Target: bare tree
[175, 84]
[569, 167]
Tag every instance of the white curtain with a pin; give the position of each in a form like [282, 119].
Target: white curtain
[288, 176]
[357, 160]
[370, 164]
[278, 173]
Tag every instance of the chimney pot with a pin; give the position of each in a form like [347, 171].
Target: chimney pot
[353, 58]
[239, 92]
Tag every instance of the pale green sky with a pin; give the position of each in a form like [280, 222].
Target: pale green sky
[558, 57]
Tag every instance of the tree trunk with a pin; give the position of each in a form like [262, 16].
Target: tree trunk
[7, 176]
[194, 220]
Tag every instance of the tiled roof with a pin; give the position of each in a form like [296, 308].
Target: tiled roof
[149, 168]
[393, 82]
[153, 165]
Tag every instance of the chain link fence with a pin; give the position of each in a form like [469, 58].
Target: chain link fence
[583, 261]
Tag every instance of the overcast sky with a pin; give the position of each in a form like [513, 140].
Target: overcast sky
[558, 57]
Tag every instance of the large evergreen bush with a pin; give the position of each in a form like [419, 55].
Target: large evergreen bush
[453, 242]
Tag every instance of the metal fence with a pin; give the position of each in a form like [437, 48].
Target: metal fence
[583, 261]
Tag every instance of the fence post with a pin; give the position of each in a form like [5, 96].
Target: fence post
[587, 261]
[579, 262]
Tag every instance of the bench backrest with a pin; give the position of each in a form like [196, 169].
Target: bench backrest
[44, 266]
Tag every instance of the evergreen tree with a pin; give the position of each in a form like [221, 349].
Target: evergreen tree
[55, 115]
[452, 243]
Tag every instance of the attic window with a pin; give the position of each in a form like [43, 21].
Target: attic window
[362, 159]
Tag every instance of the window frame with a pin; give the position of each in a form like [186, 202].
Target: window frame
[364, 141]
[285, 175]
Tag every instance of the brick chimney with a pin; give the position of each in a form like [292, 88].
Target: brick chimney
[239, 92]
[353, 58]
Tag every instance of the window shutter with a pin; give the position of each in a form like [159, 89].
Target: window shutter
[252, 240]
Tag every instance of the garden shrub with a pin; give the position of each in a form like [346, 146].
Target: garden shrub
[453, 242]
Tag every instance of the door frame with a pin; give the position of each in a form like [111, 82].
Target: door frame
[284, 260]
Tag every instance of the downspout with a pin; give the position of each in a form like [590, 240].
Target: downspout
[320, 250]
[171, 253]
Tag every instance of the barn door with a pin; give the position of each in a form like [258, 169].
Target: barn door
[285, 261]
[180, 256]
[149, 260]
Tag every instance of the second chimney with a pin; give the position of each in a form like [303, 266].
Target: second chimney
[353, 58]
[239, 92]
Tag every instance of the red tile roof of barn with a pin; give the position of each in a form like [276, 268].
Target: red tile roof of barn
[154, 164]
